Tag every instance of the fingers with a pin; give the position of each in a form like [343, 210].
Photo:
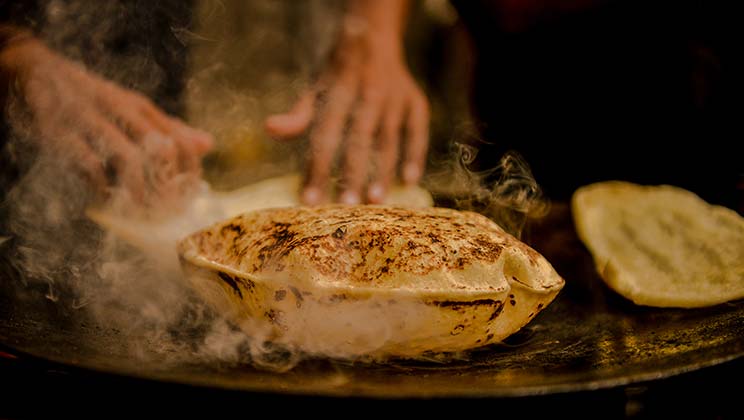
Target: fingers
[191, 143]
[87, 163]
[201, 140]
[154, 130]
[296, 121]
[118, 151]
[385, 99]
[358, 148]
[97, 125]
[387, 153]
[159, 120]
[162, 159]
[417, 140]
[325, 139]
[63, 138]
[189, 152]
[149, 170]
[366, 121]
[125, 110]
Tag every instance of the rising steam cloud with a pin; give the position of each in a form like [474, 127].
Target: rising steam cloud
[86, 270]
[506, 193]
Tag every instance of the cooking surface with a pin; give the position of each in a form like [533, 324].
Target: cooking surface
[588, 338]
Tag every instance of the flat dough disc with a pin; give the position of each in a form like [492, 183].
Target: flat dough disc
[158, 237]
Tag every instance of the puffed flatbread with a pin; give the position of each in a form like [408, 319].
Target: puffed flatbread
[351, 281]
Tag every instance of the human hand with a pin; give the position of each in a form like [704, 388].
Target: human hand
[367, 88]
[114, 137]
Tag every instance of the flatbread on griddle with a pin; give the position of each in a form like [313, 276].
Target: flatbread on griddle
[662, 245]
[157, 236]
[370, 280]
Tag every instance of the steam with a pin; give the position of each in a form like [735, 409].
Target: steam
[86, 270]
[506, 193]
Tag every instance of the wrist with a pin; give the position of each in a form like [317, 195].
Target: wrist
[376, 40]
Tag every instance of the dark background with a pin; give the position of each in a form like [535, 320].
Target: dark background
[643, 91]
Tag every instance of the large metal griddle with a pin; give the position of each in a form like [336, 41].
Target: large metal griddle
[589, 338]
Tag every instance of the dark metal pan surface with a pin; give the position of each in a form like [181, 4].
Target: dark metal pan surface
[588, 338]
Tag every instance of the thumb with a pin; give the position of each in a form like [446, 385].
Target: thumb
[295, 121]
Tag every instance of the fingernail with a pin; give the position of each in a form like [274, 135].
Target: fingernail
[205, 140]
[376, 193]
[411, 173]
[274, 119]
[155, 142]
[311, 196]
[349, 197]
[208, 142]
[276, 122]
